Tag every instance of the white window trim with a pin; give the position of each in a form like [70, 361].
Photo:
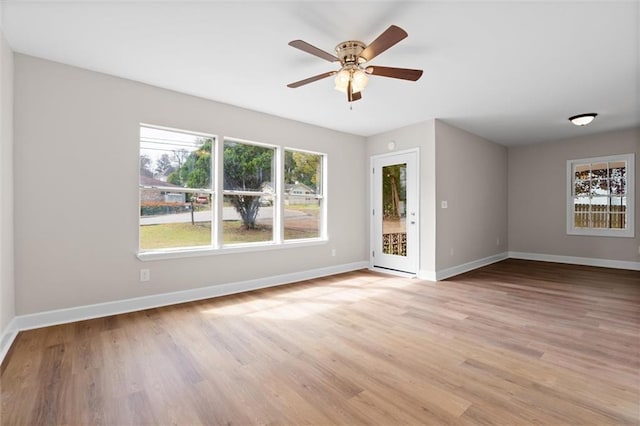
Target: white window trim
[629, 232]
[322, 196]
[217, 178]
[174, 253]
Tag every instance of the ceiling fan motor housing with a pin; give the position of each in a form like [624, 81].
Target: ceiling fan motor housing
[349, 52]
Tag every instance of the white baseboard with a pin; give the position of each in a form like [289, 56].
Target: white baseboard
[392, 272]
[586, 261]
[469, 266]
[80, 313]
[442, 274]
[61, 316]
[7, 338]
[426, 275]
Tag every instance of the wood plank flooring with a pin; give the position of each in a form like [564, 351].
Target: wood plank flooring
[517, 342]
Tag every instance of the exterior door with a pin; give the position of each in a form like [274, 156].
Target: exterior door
[394, 211]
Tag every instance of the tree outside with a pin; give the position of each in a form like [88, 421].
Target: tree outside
[302, 167]
[246, 168]
[393, 191]
[145, 166]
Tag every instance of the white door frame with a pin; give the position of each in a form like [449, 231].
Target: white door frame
[372, 227]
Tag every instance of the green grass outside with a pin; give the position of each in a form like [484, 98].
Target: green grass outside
[171, 235]
[174, 235]
[310, 209]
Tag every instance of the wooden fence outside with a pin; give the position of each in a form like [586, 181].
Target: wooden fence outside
[395, 243]
[589, 216]
[586, 216]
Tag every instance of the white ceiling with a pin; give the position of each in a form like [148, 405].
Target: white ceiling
[511, 72]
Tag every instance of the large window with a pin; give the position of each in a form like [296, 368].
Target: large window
[264, 195]
[600, 196]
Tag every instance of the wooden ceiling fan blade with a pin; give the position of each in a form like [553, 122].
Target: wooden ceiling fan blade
[390, 37]
[311, 79]
[352, 97]
[402, 73]
[306, 47]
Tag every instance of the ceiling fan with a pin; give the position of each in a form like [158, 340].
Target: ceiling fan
[353, 55]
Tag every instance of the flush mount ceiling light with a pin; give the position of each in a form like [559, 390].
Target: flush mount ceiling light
[583, 119]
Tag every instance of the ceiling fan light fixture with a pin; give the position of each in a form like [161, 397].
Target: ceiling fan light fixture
[359, 80]
[358, 77]
[583, 119]
[342, 80]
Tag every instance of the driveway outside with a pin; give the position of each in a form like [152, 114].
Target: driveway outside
[228, 213]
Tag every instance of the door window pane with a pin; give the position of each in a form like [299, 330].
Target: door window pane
[394, 199]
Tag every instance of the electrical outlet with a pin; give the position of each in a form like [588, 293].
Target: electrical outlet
[444, 204]
[145, 275]
[333, 252]
[498, 241]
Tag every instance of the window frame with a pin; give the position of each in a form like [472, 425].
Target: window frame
[275, 238]
[211, 190]
[217, 192]
[629, 231]
[321, 196]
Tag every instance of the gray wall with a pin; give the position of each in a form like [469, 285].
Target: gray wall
[75, 170]
[76, 195]
[471, 175]
[537, 197]
[7, 289]
[422, 136]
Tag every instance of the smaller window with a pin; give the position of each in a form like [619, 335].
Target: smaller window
[303, 214]
[600, 196]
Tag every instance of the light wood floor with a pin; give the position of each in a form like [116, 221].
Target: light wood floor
[517, 342]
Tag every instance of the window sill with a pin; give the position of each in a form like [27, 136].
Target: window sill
[623, 233]
[235, 249]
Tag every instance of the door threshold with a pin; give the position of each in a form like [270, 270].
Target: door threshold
[393, 272]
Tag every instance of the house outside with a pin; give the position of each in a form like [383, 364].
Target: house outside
[149, 193]
[294, 194]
